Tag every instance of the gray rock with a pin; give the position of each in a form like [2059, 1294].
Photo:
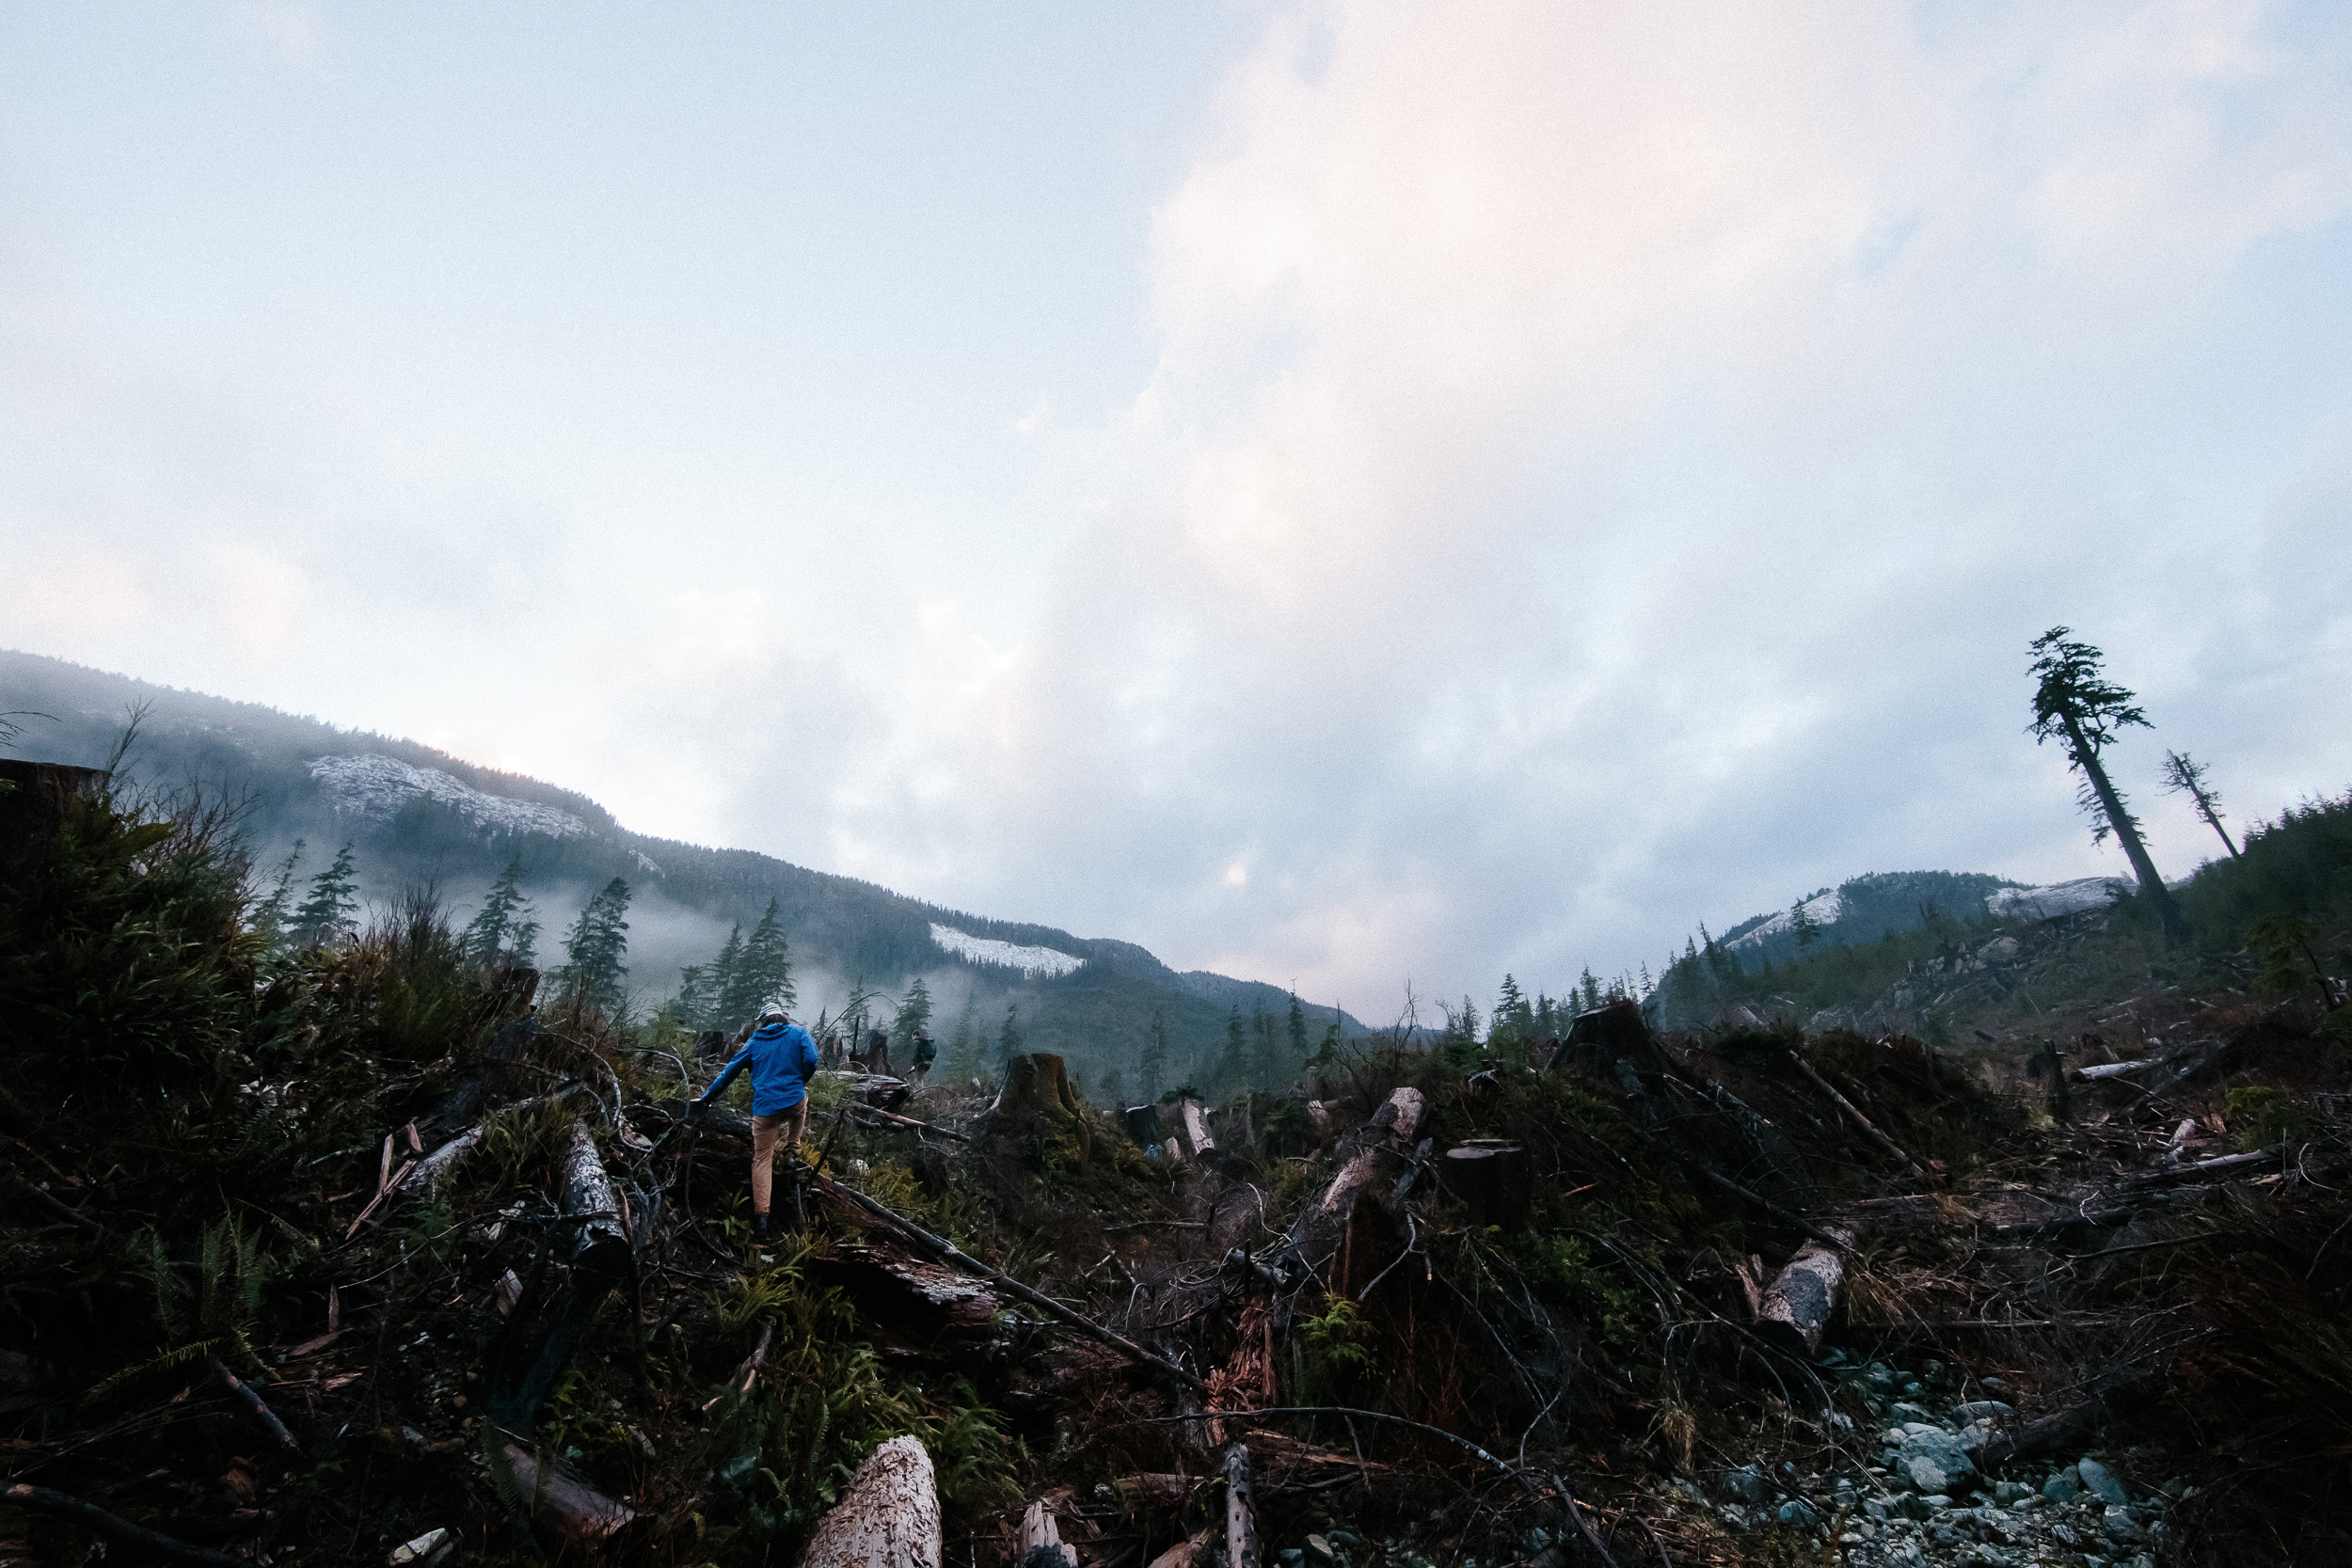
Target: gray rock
[2062, 1488]
[1979, 1410]
[1932, 1461]
[2120, 1525]
[1798, 1514]
[1748, 1484]
[2103, 1482]
[2006, 1491]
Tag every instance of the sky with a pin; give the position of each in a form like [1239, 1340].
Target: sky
[1340, 494]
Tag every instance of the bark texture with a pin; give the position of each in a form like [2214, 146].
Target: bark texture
[889, 1517]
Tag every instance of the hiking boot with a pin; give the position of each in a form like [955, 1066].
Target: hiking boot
[759, 1227]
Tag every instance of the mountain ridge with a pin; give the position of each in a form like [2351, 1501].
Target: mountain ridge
[417, 816]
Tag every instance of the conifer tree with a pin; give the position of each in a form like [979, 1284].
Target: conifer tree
[1008, 1038]
[593, 972]
[2182, 773]
[760, 976]
[914, 1018]
[2076, 704]
[963, 1050]
[503, 914]
[694, 1003]
[1296, 1028]
[269, 915]
[1152, 1069]
[721, 980]
[1235, 1068]
[326, 915]
[1590, 987]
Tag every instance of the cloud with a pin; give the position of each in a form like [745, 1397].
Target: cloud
[1603, 466]
[1598, 470]
[292, 31]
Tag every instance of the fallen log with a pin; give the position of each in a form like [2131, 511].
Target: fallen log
[597, 1245]
[894, 1119]
[2203, 1167]
[1192, 1129]
[254, 1404]
[2068, 1429]
[1241, 1516]
[942, 1247]
[1869, 1127]
[113, 1527]
[888, 1518]
[580, 1513]
[1798, 1304]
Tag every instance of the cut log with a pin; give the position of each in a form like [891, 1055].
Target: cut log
[437, 1167]
[2111, 1070]
[577, 1511]
[889, 1517]
[597, 1245]
[1491, 1180]
[1241, 1514]
[1796, 1305]
[1040, 1539]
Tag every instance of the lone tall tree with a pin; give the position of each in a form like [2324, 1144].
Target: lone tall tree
[2076, 704]
[2183, 773]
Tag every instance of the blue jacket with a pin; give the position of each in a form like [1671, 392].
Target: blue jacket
[782, 1058]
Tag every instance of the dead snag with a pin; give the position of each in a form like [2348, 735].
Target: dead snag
[1241, 1515]
[1798, 1304]
[889, 1517]
[114, 1528]
[579, 1513]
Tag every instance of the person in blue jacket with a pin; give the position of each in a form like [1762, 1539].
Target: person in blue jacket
[782, 1059]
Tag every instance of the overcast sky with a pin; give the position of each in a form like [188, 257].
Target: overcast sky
[1334, 493]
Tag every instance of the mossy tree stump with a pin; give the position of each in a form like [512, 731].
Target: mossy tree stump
[1038, 1103]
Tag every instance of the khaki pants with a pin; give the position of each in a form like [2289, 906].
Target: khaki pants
[788, 1125]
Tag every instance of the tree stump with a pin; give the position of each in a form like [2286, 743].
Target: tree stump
[889, 1517]
[1038, 1103]
[1142, 1123]
[1491, 1178]
[31, 811]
